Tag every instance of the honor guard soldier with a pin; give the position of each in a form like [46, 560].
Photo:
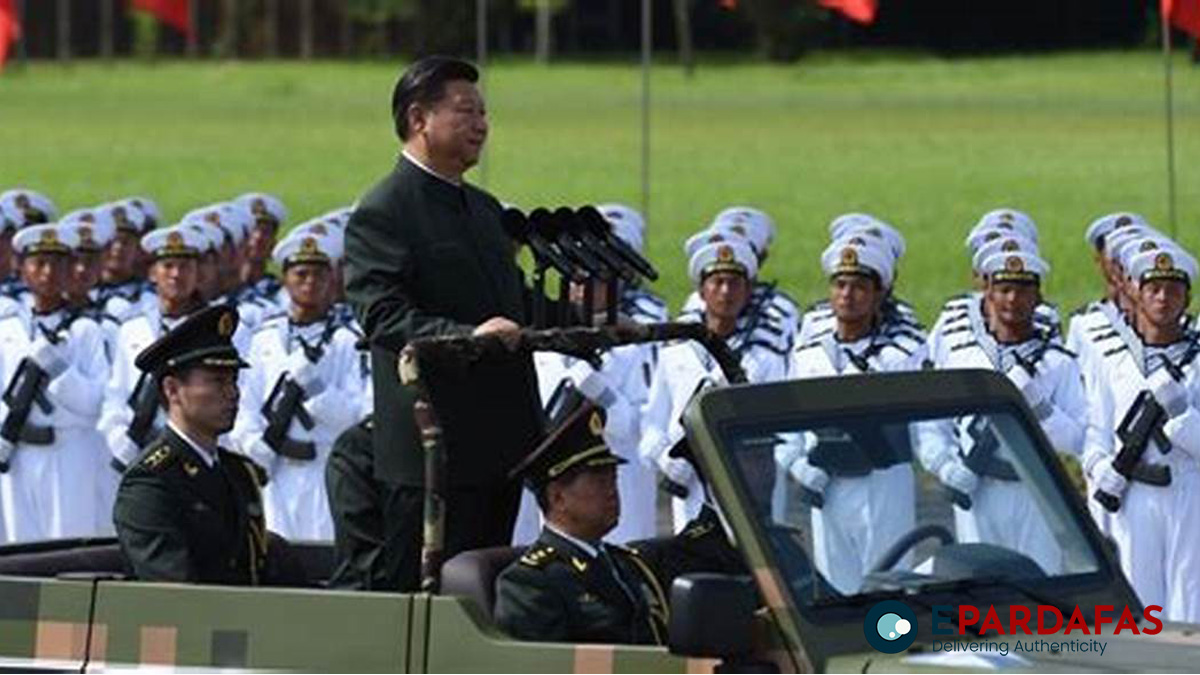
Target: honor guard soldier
[132, 411]
[637, 303]
[571, 586]
[91, 241]
[861, 488]
[898, 320]
[269, 215]
[723, 271]
[188, 510]
[124, 291]
[303, 389]
[967, 454]
[53, 365]
[9, 281]
[20, 208]
[1143, 436]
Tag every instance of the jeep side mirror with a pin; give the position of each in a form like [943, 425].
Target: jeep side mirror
[712, 616]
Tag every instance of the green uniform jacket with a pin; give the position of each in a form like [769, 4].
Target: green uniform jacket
[557, 593]
[428, 258]
[179, 520]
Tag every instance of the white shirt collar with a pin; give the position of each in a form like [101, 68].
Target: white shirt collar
[587, 548]
[431, 172]
[210, 458]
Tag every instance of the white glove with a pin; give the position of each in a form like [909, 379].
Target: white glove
[591, 383]
[305, 373]
[1033, 390]
[1169, 392]
[1106, 479]
[955, 475]
[678, 471]
[6, 451]
[51, 358]
[812, 477]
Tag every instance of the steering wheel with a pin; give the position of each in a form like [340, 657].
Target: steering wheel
[909, 541]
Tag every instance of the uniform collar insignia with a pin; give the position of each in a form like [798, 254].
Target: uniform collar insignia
[579, 565]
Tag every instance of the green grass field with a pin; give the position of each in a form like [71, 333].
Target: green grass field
[926, 144]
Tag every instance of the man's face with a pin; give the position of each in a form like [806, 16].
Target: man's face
[209, 275]
[854, 298]
[46, 274]
[587, 501]
[725, 294]
[121, 256]
[206, 398]
[1012, 304]
[455, 128]
[261, 240]
[1162, 302]
[85, 273]
[6, 236]
[309, 285]
[175, 278]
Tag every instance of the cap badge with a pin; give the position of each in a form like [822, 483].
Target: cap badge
[1014, 264]
[1010, 246]
[225, 325]
[1163, 262]
[309, 245]
[849, 256]
[1148, 246]
[1123, 221]
[725, 254]
[85, 235]
[174, 240]
[596, 425]
[258, 207]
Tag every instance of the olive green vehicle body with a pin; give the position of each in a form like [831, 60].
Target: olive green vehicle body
[98, 622]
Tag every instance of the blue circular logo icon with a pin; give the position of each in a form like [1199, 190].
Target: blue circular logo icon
[890, 627]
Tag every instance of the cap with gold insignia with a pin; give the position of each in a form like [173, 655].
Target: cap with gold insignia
[1008, 219]
[212, 237]
[1016, 267]
[760, 228]
[1172, 264]
[1117, 240]
[1126, 249]
[151, 214]
[25, 207]
[90, 237]
[325, 228]
[858, 256]
[204, 340]
[47, 238]
[627, 224]
[1103, 226]
[896, 246]
[124, 217]
[577, 443]
[264, 208]
[180, 241]
[723, 255]
[306, 246]
[232, 225]
[1007, 244]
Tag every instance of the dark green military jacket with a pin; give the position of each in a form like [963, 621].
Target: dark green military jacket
[556, 592]
[428, 258]
[179, 520]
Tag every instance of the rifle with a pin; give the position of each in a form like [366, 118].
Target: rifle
[1142, 424]
[25, 390]
[286, 403]
[145, 404]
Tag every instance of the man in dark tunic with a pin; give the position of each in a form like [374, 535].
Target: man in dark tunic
[426, 255]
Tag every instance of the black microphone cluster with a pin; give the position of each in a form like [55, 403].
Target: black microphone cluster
[580, 246]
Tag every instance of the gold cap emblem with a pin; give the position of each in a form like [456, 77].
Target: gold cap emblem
[85, 236]
[48, 237]
[1147, 246]
[849, 256]
[309, 245]
[225, 325]
[596, 425]
[725, 254]
[258, 207]
[1014, 264]
[174, 240]
[1123, 221]
[1010, 245]
[1163, 262]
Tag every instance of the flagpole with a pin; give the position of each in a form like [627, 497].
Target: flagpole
[1166, 42]
[647, 38]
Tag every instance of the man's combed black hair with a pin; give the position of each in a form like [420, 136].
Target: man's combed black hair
[424, 83]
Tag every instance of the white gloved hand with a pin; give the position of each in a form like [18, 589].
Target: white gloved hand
[1170, 393]
[6, 451]
[957, 476]
[1033, 390]
[678, 471]
[305, 373]
[591, 383]
[1107, 479]
[50, 357]
[812, 477]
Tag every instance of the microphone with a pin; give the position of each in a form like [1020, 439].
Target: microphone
[574, 225]
[546, 225]
[517, 226]
[600, 227]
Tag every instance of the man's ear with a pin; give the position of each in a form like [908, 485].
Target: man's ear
[170, 388]
[416, 115]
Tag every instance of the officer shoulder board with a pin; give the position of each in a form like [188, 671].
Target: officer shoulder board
[158, 457]
[539, 555]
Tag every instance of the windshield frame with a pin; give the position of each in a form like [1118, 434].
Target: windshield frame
[825, 631]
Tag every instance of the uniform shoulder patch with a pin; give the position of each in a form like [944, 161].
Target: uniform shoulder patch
[157, 457]
[538, 556]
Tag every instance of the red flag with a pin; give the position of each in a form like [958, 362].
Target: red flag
[860, 11]
[175, 13]
[10, 28]
[1184, 15]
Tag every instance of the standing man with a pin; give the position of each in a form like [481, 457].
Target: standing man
[426, 255]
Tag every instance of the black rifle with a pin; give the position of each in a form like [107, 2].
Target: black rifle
[25, 390]
[145, 404]
[982, 458]
[286, 403]
[1142, 424]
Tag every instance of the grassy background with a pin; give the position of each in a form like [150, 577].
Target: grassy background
[926, 144]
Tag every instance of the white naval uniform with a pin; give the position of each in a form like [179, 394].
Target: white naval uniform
[294, 498]
[1155, 528]
[683, 369]
[1003, 512]
[899, 323]
[953, 313]
[53, 491]
[126, 300]
[780, 310]
[861, 516]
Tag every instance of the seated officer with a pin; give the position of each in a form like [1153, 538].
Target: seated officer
[570, 586]
[188, 510]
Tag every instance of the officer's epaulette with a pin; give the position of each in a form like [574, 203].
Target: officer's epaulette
[538, 555]
[698, 528]
[158, 457]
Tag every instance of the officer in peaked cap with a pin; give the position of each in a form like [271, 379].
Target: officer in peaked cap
[188, 510]
[571, 586]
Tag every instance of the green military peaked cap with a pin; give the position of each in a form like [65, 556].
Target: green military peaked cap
[203, 339]
[576, 443]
